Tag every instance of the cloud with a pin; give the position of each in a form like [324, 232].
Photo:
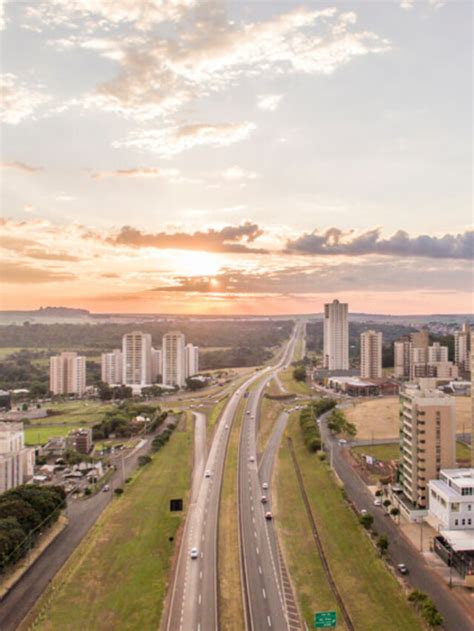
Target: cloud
[205, 52]
[18, 100]
[26, 274]
[238, 173]
[336, 242]
[140, 172]
[143, 14]
[168, 141]
[269, 102]
[29, 208]
[408, 5]
[227, 239]
[20, 166]
[32, 249]
[359, 276]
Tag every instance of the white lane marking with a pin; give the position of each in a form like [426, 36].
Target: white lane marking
[258, 551]
[200, 575]
[251, 507]
[199, 626]
[255, 534]
[202, 538]
[253, 519]
[200, 598]
[260, 569]
[264, 593]
[269, 622]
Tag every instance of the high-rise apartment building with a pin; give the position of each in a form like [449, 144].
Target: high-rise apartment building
[136, 351]
[371, 355]
[427, 440]
[174, 362]
[67, 374]
[191, 360]
[336, 336]
[437, 353]
[462, 347]
[420, 339]
[112, 367]
[156, 364]
[16, 461]
[402, 358]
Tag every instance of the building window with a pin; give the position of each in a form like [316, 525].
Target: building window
[469, 521]
[463, 522]
[456, 522]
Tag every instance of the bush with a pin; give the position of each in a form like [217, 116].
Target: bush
[143, 460]
[118, 491]
[366, 520]
[299, 373]
[382, 544]
[87, 491]
[322, 456]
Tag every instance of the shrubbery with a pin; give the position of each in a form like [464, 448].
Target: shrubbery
[426, 607]
[338, 423]
[163, 438]
[309, 427]
[24, 512]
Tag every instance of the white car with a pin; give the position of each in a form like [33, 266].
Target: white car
[194, 553]
[377, 502]
[252, 459]
[227, 427]
[265, 485]
[343, 441]
[248, 411]
[207, 474]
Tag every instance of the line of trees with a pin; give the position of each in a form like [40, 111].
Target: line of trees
[308, 424]
[338, 423]
[118, 420]
[25, 512]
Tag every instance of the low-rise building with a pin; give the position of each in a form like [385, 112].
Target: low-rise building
[451, 500]
[80, 440]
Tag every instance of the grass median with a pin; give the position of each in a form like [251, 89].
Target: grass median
[231, 613]
[370, 592]
[118, 576]
[291, 385]
[270, 410]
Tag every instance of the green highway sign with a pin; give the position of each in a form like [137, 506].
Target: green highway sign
[325, 620]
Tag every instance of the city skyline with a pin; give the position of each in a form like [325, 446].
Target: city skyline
[237, 158]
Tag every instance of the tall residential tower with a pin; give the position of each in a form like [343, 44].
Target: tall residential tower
[336, 336]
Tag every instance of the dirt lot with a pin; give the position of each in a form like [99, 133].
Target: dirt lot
[378, 418]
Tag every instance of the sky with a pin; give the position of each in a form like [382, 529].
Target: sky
[265, 157]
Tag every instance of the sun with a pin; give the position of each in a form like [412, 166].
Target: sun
[198, 263]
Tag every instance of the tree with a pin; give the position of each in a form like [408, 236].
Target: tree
[394, 512]
[382, 544]
[366, 520]
[299, 373]
[387, 503]
[143, 460]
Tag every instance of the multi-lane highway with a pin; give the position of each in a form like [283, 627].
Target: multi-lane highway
[192, 604]
[264, 597]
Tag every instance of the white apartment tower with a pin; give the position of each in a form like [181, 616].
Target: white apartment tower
[174, 362]
[112, 367]
[462, 347]
[67, 374]
[437, 353]
[336, 336]
[371, 355]
[16, 461]
[156, 364]
[136, 351]
[402, 358]
[191, 360]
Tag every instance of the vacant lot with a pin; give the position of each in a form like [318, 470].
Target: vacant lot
[379, 418]
[118, 576]
[372, 595]
[74, 412]
[291, 385]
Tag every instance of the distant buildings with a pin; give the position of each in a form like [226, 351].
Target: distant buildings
[191, 360]
[112, 367]
[136, 352]
[80, 440]
[463, 348]
[336, 336]
[427, 440]
[156, 364]
[174, 360]
[414, 359]
[16, 460]
[67, 374]
[402, 358]
[371, 355]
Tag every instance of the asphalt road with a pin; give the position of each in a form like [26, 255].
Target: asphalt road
[82, 515]
[456, 617]
[264, 597]
[193, 599]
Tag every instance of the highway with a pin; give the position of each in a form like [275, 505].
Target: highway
[193, 597]
[456, 617]
[264, 596]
